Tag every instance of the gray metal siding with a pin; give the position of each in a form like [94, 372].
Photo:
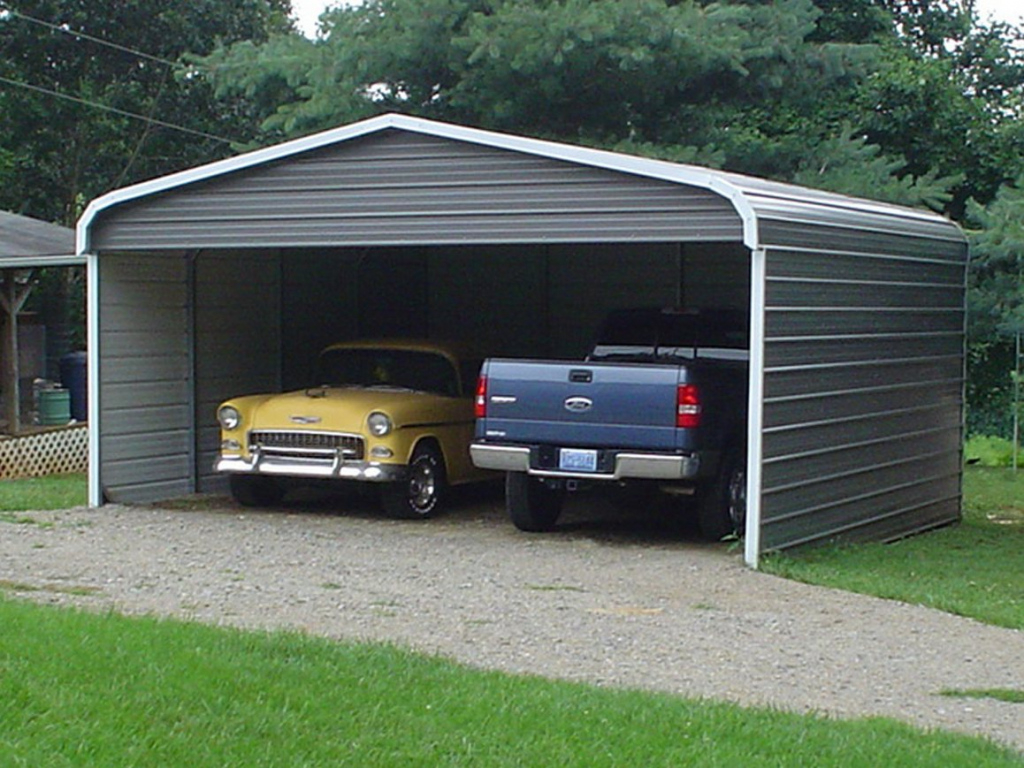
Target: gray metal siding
[398, 188]
[145, 394]
[237, 341]
[862, 394]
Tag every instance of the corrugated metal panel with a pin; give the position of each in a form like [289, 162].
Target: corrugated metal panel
[237, 341]
[398, 188]
[863, 386]
[145, 393]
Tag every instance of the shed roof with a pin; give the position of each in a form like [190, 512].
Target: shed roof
[755, 200]
[28, 242]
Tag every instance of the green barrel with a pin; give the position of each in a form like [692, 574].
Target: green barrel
[54, 407]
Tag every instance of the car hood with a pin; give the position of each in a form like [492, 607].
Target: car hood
[345, 409]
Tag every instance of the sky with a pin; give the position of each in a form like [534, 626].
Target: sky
[308, 11]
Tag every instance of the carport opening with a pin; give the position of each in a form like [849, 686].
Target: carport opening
[505, 300]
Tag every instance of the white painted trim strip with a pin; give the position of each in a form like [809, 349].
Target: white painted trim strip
[92, 314]
[755, 407]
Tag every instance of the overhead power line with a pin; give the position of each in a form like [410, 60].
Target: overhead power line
[115, 110]
[65, 29]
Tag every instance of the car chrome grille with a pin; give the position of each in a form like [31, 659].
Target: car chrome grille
[307, 443]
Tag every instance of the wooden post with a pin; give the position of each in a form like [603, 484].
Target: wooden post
[12, 299]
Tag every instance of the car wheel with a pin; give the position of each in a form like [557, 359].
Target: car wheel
[256, 490]
[722, 504]
[421, 493]
[533, 506]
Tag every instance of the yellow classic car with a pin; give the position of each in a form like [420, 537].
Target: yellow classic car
[394, 412]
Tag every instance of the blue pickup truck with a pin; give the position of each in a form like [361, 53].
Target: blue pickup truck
[660, 402]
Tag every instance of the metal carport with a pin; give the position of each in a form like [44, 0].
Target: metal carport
[857, 307]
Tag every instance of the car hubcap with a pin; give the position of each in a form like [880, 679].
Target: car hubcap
[422, 486]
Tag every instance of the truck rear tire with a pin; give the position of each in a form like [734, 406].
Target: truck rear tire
[532, 506]
[722, 504]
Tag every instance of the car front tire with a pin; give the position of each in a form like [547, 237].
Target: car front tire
[420, 495]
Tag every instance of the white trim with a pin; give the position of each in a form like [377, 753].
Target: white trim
[92, 314]
[32, 262]
[742, 191]
[755, 407]
[714, 181]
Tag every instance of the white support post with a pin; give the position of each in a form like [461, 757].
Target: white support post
[755, 407]
[93, 376]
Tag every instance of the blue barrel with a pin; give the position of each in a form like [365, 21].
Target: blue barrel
[54, 407]
[73, 377]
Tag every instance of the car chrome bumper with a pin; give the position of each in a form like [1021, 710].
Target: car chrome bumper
[369, 471]
[640, 466]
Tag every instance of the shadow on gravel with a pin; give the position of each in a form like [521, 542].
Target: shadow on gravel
[657, 520]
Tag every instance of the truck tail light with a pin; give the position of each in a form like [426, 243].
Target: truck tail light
[688, 407]
[480, 404]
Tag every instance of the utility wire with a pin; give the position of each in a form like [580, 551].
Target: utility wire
[115, 110]
[65, 29]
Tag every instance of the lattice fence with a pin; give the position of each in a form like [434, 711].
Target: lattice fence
[47, 452]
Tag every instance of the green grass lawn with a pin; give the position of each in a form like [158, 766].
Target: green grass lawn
[107, 690]
[974, 568]
[50, 492]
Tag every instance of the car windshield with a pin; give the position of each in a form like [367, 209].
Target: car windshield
[406, 369]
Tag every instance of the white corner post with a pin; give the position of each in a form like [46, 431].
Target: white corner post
[755, 407]
[93, 376]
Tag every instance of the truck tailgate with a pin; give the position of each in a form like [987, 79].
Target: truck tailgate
[581, 404]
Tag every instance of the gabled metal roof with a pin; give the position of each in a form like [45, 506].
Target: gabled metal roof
[28, 242]
[755, 200]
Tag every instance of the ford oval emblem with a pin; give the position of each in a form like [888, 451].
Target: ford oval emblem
[578, 404]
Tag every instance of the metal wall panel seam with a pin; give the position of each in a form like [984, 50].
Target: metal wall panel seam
[920, 482]
[863, 390]
[768, 490]
[868, 522]
[864, 337]
[841, 447]
[851, 282]
[872, 416]
[796, 250]
[861, 363]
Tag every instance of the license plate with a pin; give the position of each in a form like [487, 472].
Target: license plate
[577, 460]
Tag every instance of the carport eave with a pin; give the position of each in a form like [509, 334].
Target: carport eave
[661, 170]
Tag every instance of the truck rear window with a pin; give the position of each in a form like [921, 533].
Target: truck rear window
[647, 333]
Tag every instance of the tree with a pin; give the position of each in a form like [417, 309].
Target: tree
[996, 307]
[739, 84]
[74, 70]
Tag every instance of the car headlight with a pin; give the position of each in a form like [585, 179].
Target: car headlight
[378, 423]
[229, 417]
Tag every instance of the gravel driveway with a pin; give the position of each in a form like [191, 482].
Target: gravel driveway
[642, 604]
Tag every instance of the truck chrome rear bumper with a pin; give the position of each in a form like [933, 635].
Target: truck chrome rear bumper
[640, 466]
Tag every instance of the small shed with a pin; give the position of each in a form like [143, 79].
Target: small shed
[25, 245]
[227, 279]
